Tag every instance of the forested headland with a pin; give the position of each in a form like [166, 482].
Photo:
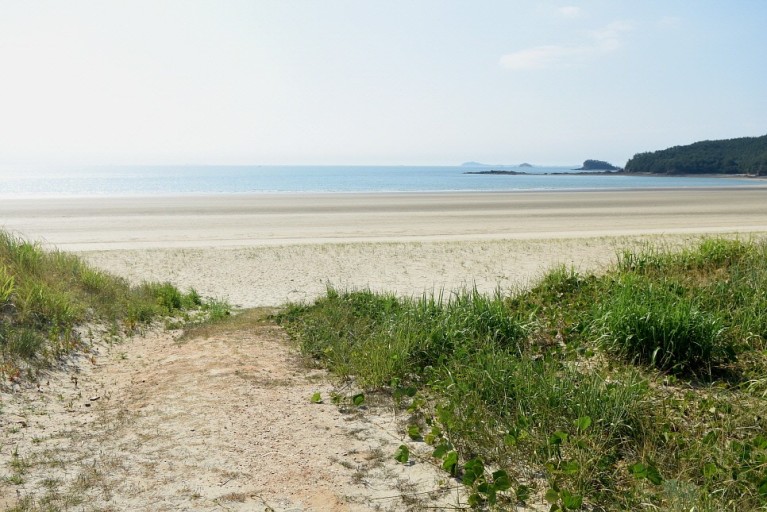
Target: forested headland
[745, 155]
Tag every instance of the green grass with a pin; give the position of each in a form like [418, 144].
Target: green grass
[46, 295]
[643, 387]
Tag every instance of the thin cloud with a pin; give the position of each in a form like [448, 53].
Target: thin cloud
[598, 42]
[539, 57]
[669, 22]
[569, 11]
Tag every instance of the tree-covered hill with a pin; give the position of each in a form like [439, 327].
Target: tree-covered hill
[745, 155]
[597, 165]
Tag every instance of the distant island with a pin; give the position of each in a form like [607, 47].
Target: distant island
[597, 165]
[741, 156]
[591, 168]
[509, 172]
[479, 164]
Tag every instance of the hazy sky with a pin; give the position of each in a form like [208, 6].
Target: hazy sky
[375, 82]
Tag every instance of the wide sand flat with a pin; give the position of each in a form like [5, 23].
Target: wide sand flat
[267, 249]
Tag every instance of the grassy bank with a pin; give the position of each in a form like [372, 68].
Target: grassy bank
[643, 388]
[46, 296]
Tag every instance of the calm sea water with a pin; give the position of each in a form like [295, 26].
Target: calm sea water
[192, 180]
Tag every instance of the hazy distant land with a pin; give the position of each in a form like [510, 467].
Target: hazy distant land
[744, 156]
[591, 168]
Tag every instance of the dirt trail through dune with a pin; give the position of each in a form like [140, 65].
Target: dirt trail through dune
[223, 422]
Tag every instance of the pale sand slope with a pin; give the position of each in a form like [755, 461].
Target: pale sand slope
[260, 276]
[268, 249]
[214, 422]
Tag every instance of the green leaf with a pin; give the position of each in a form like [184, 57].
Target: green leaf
[709, 470]
[410, 391]
[571, 501]
[433, 435]
[473, 470]
[492, 495]
[450, 464]
[501, 480]
[653, 475]
[358, 399]
[316, 398]
[763, 488]
[583, 423]
[402, 454]
[440, 451]
[639, 470]
[414, 432]
[552, 496]
[571, 467]
[558, 438]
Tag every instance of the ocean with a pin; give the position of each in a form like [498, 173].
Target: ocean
[114, 181]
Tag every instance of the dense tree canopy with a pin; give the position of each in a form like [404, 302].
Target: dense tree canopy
[597, 165]
[745, 155]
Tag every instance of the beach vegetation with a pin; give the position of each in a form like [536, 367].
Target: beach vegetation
[641, 387]
[46, 297]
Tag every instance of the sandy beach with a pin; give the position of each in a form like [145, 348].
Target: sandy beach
[224, 418]
[264, 250]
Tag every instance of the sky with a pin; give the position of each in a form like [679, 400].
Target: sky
[363, 82]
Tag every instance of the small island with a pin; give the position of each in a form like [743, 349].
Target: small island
[597, 165]
[590, 168]
[504, 172]
[480, 164]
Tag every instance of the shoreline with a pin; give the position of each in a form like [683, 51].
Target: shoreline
[585, 172]
[384, 193]
[266, 250]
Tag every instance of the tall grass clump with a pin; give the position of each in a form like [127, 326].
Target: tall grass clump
[378, 337]
[642, 387]
[650, 322]
[46, 295]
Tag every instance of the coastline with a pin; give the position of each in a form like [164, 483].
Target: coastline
[267, 249]
[618, 172]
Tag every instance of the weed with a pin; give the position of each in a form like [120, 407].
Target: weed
[641, 387]
[654, 323]
[45, 295]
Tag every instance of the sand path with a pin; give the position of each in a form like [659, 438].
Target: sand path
[209, 423]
